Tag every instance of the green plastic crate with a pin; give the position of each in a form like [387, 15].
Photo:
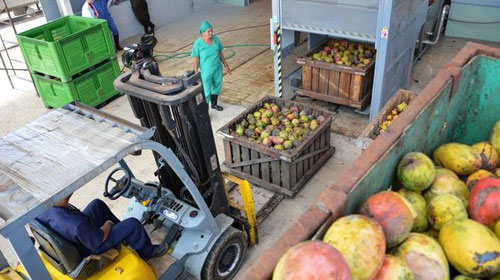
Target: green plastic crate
[92, 88]
[67, 46]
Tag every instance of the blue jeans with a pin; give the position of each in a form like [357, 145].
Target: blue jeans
[129, 230]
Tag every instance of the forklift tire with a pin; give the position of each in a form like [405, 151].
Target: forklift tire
[226, 256]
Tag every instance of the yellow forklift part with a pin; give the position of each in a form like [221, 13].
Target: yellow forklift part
[9, 274]
[247, 207]
[128, 266]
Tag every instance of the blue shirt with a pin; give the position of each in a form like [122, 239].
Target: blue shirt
[75, 227]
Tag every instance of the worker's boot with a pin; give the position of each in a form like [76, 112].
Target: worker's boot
[117, 43]
[213, 100]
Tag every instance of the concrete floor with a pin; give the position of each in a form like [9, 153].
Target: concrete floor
[20, 106]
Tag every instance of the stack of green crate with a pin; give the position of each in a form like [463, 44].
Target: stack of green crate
[71, 58]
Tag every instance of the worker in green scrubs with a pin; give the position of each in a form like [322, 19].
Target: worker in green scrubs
[209, 60]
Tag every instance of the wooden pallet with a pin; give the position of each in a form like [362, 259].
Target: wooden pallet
[283, 172]
[339, 84]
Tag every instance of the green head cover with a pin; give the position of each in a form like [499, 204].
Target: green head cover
[205, 26]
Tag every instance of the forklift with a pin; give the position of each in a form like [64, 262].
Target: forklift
[187, 206]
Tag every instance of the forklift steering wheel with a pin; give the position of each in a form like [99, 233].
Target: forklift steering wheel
[121, 185]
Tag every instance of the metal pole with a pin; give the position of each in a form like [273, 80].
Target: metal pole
[6, 71]
[10, 18]
[8, 56]
[27, 254]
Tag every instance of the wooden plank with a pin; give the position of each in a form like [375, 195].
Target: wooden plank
[245, 155]
[306, 77]
[316, 147]
[367, 84]
[333, 83]
[323, 81]
[317, 165]
[227, 152]
[356, 85]
[334, 99]
[293, 174]
[306, 161]
[345, 85]
[255, 167]
[265, 170]
[236, 153]
[336, 67]
[315, 79]
[261, 183]
[310, 149]
[275, 173]
[285, 175]
[300, 168]
[251, 162]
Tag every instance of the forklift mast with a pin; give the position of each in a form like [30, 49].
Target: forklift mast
[176, 107]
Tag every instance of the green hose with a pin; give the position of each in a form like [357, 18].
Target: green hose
[179, 55]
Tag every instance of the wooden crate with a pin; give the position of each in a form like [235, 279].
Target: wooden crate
[283, 172]
[373, 129]
[339, 84]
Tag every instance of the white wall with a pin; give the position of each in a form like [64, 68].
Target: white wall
[161, 11]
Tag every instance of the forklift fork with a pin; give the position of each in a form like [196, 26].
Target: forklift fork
[247, 207]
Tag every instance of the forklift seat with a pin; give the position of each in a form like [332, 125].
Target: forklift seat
[64, 256]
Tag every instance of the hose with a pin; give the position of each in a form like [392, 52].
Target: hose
[179, 55]
[219, 33]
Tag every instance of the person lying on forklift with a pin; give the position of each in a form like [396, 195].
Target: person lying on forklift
[96, 229]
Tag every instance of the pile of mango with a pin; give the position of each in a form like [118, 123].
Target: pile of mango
[394, 114]
[346, 53]
[282, 128]
[441, 221]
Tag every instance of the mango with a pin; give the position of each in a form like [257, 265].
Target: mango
[462, 277]
[459, 158]
[484, 203]
[394, 268]
[477, 176]
[416, 171]
[495, 137]
[442, 170]
[312, 260]
[489, 155]
[361, 241]
[471, 248]
[425, 257]
[393, 212]
[497, 229]
[448, 184]
[420, 205]
[445, 208]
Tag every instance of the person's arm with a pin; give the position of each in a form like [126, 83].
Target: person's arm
[224, 62]
[90, 235]
[195, 53]
[196, 64]
[106, 229]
